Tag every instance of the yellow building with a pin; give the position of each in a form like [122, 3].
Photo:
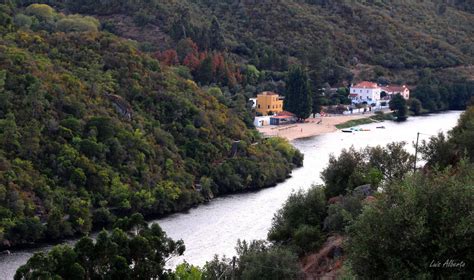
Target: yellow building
[269, 102]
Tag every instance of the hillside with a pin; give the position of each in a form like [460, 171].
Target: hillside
[338, 39]
[92, 129]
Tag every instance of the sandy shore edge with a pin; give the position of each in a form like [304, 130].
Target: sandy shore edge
[312, 127]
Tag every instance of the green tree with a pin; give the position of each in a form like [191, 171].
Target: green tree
[442, 151]
[422, 220]
[113, 255]
[9, 135]
[41, 11]
[186, 271]
[299, 223]
[399, 105]
[204, 73]
[215, 35]
[415, 106]
[372, 165]
[77, 23]
[260, 261]
[298, 93]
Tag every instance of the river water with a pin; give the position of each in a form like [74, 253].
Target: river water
[215, 227]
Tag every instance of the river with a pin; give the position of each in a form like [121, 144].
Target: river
[215, 227]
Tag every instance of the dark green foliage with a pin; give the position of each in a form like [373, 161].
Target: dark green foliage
[379, 40]
[442, 151]
[204, 72]
[298, 93]
[340, 215]
[215, 33]
[372, 165]
[255, 260]
[91, 129]
[415, 106]
[399, 105]
[462, 134]
[115, 255]
[299, 223]
[436, 95]
[260, 261]
[423, 220]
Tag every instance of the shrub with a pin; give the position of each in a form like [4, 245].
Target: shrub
[41, 11]
[416, 222]
[299, 223]
[77, 23]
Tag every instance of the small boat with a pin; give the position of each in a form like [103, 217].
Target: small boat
[381, 127]
[364, 129]
[347, 130]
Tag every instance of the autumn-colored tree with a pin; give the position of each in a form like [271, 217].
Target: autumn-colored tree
[168, 57]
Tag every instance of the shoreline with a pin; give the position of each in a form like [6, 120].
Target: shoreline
[312, 126]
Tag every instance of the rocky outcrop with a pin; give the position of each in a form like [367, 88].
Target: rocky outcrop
[326, 263]
[121, 105]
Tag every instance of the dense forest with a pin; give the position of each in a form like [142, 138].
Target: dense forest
[368, 39]
[245, 47]
[116, 110]
[391, 223]
[92, 129]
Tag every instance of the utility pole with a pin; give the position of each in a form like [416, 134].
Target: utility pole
[233, 268]
[416, 151]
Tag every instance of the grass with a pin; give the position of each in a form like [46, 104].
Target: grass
[375, 118]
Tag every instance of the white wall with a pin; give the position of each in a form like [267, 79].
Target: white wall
[261, 121]
[367, 94]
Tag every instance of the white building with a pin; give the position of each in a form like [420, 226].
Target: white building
[365, 92]
[261, 121]
[394, 90]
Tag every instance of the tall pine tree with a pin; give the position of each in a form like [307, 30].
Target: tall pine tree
[298, 93]
[215, 35]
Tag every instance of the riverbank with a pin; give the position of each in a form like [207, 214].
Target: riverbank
[313, 126]
[214, 228]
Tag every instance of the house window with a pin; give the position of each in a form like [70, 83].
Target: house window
[367, 91]
[258, 106]
[360, 91]
[268, 106]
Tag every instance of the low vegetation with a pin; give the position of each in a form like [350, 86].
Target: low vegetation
[378, 117]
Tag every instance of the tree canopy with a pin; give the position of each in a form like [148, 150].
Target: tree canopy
[114, 255]
[298, 93]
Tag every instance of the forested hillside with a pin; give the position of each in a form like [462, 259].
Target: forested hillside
[338, 40]
[93, 126]
[92, 129]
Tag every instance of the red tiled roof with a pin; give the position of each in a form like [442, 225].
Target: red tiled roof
[286, 113]
[394, 88]
[366, 84]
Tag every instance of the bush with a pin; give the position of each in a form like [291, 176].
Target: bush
[41, 11]
[77, 23]
[22, 20]
[372, 165]
[298, 224]
[414, 223]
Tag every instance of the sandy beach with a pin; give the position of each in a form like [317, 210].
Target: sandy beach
[311, 127]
